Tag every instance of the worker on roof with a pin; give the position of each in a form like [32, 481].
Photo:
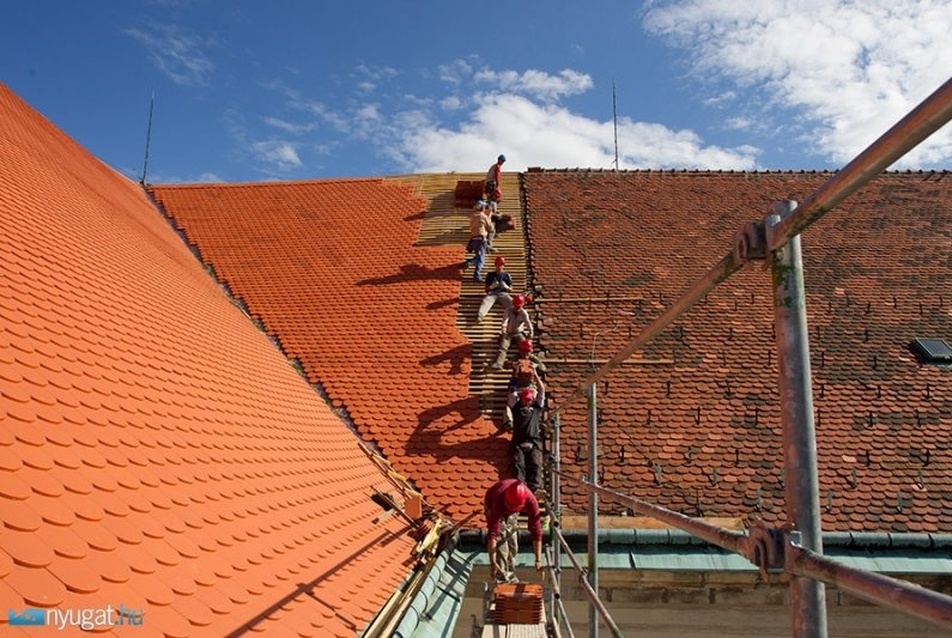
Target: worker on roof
[491, 191]
[516, 326]
[480, 230]
[503, 503]
[497, 286]
[494, 177]
[527, 434]
[526, 369]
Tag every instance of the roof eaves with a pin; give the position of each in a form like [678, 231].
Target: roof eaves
[437, 604]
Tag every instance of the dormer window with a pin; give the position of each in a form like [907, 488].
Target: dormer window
[933, 351]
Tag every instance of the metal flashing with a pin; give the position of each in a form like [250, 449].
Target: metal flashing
[436, 607]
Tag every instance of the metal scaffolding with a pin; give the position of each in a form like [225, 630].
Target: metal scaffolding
[795, 548]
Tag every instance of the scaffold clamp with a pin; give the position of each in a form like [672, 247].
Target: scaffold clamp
[765, 547]
[750, 242]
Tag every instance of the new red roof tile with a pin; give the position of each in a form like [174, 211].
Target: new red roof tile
[333, 270]
[151, 438]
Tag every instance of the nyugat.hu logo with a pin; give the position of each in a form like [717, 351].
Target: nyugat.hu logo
[26, 618]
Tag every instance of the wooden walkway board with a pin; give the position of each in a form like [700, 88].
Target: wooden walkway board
[445, 224]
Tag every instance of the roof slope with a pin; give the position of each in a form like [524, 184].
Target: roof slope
[334, 270]
[156, 450]
[695, 424]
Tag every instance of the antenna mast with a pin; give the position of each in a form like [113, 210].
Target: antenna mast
[615, 121]
[148, 139]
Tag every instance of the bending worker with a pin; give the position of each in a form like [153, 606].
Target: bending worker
[504, 501]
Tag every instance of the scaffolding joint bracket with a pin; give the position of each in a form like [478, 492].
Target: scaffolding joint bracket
[750, 242]
[765, 547]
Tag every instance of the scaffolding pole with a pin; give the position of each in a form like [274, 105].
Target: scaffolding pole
[780, 549]
[558, 606]
[807, 596]
[593, 507]
[733, 541]
[902, 596]
[554, 512]
[591, 593]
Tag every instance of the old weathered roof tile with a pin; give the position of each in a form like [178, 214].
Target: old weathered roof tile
[877, 274]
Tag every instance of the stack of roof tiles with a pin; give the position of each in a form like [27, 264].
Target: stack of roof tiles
[694, 423]
[517, 604]
[156, 450]
[331, 269]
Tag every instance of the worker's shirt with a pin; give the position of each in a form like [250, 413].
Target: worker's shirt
[498, 277]
[480, 224]
[527, 420]
[496, 510]
[517, 321]
[492, 175]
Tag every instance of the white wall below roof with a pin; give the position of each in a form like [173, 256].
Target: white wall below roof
[854, 620]
[674, 606]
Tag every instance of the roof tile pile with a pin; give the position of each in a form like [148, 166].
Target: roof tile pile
[694, 422]
[332, 270]
[156, 450]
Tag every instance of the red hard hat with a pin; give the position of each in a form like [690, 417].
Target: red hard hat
[518, 301]
[527, 395]
[525, 346]
[515, 496]
[500, 261]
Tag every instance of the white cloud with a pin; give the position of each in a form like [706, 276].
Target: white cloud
[519, 116]
[338, 121]
[724, 98]
[548, 135]
[278, 153]
[366, 120]
[537, 84]
[849, 69]
[375, 74]
[456, 72]
[451, 103]
[201, 178]
[289, 127]
[176, 52]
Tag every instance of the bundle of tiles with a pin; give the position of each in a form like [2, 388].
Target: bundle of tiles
[517, 604]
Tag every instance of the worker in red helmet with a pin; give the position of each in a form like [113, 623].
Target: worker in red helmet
[503, 503]
[480, 229]
[526, 347]
[527, 433]
[526, 373]
[494, 177]
[516, 326]
[527, 352]
[526, 369]
[497, 286]
[492, 192]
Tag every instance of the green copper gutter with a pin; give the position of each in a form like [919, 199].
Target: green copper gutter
[435, 610]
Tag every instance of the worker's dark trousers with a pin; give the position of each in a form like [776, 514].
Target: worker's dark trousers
[527, 458]
[504, 342]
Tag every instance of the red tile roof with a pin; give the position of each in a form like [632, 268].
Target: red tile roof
[695, 425]
[156, 450]
[335, 272]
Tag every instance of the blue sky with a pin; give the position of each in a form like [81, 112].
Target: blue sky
[288, 89]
